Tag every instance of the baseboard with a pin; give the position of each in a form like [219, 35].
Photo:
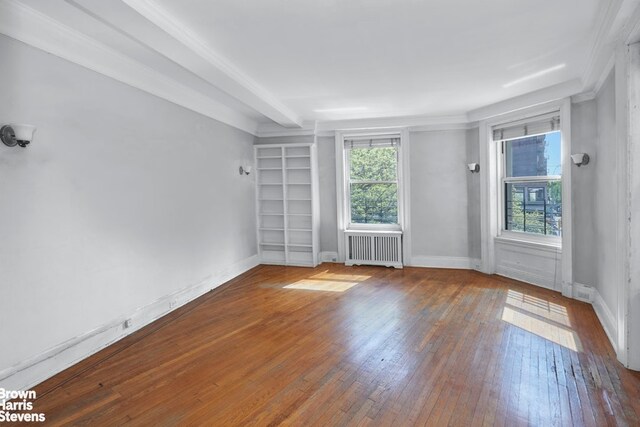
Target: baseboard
[463, 263]
[606, 317]
[31, 372]
[329, 256]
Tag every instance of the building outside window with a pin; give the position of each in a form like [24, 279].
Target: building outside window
[532, 178]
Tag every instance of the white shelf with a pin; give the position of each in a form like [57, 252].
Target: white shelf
[295, 228]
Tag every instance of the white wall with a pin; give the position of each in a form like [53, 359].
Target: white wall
[441, 226]
[328, 201]
[473, 193]
[121, 199]
[605, 184]
[584, 139]
[439, 200]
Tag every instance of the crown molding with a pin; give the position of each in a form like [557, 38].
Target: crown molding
[29, 26]
[270, 130]
[208, 65]
[618, 22]
[328, 128]
[582, 97]
[413, 123]
[604, 72]
[531, 99]
[599, 39]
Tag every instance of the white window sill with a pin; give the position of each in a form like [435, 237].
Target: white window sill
[372, 231]
[554, 245]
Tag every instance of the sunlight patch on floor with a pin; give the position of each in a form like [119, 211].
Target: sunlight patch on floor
[539, 307]
[325, 275]
[328, 282]
[554, 333]
[321, 285]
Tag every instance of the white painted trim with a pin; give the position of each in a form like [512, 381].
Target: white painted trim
[460, 121]
[33, 371]
[605, 73]
[631, 32]
[529, 244]
[271, 130]
[438, 127]
[599, 39]
[582, 292]
[567, 198]
[622, 209]
[405, 202]
[38, 30]
[240, 85]
[606, 317]
[404, 178]
[583, 97]
[327, 256]
[462, 263]
[632, 211]
[490, 193]
[340, 195]
[409, 123]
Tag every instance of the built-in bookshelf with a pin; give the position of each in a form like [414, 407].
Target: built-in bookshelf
[287, 204]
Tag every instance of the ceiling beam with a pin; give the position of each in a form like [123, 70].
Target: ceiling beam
[152, 26]
[29, 26]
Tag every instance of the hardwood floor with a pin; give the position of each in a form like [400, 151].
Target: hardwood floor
[341, 345]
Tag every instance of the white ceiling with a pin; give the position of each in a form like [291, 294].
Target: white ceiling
[290, 61]
[395, 57]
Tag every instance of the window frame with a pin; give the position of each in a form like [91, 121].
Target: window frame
[555, 241]
[404, 195]
[347, 190]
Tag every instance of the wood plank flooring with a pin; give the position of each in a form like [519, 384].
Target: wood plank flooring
[358, 346]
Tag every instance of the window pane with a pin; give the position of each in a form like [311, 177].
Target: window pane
[534, 207]
[374, 164]
[533, 156]
[374, 203]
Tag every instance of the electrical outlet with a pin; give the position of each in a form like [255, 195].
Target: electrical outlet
[127, 324]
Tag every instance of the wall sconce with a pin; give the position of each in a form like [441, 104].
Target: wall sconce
[245, 170]
[580, 159]
[473, 167]
[14, 134]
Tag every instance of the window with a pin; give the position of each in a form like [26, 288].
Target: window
[532, 176]
[372, 181]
